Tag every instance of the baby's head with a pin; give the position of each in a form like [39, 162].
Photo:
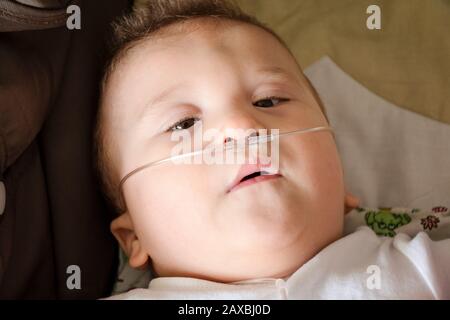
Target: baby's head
[177, 63]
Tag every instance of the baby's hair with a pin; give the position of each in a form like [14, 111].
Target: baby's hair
[144, 22]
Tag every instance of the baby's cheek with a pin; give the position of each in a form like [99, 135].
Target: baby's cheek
[331, 189]
[315, 155]
[318, 173]
[167, 208]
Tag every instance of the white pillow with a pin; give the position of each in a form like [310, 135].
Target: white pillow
[392, 157]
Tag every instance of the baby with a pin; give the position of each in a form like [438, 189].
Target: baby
[236, 231]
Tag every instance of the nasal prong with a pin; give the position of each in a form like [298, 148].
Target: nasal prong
[228, 142]
[260, 139]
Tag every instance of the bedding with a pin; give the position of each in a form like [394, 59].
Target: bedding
[391, 156]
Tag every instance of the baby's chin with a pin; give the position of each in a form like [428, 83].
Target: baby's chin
[266, 209]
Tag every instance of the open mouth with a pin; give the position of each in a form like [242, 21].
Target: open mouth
[250, 174]
[253, 175]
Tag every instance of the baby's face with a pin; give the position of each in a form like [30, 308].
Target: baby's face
[184, 217]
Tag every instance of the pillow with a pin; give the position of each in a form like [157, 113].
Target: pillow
[391, 156]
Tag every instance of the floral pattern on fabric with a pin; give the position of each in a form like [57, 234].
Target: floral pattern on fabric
[429, 222]
[386, 221]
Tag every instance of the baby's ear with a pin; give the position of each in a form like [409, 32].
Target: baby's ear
[123, 230]
[351, 202]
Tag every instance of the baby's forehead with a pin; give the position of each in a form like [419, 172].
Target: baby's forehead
[207, 41]
[193, 53]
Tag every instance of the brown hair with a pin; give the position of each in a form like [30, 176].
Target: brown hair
[148, 20]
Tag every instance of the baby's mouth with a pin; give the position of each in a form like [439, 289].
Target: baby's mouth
[250, 174]
[254, 175]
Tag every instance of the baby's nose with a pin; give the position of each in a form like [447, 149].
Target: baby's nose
[239, 126]
[230, 138]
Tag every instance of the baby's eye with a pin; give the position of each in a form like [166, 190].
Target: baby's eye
[184, 124]
[269, 102]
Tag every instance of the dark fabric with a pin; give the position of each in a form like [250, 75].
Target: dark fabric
[26, 247]
[15, 16]
[55, 215]
[25, 99]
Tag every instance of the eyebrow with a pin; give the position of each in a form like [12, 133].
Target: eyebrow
[150, 105]
[277, 71]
